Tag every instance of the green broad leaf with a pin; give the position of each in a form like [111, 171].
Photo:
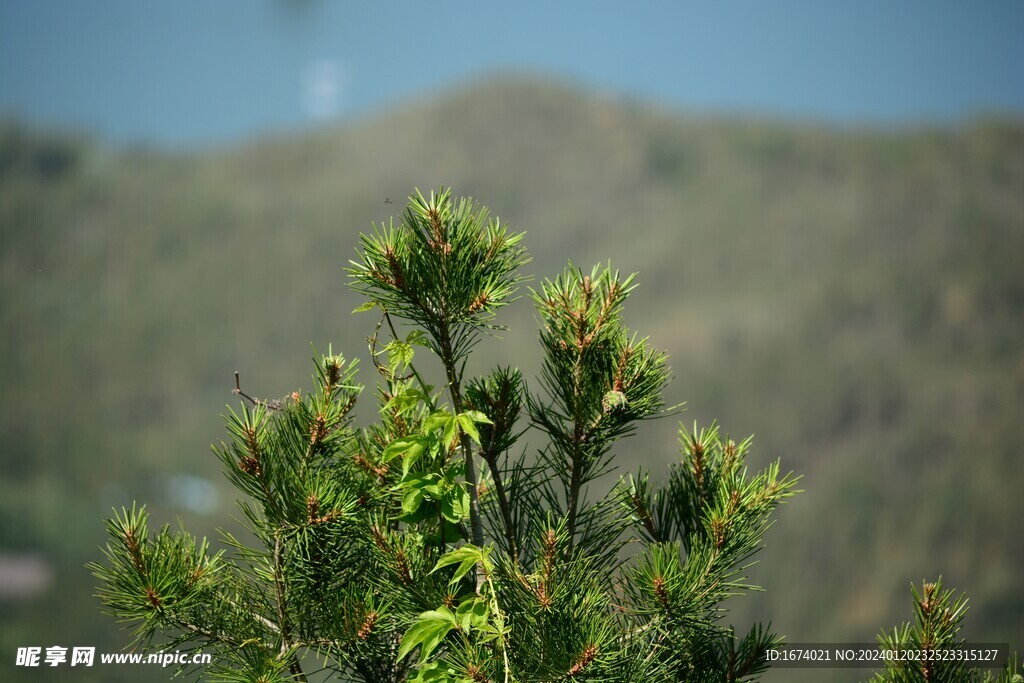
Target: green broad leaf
[455, 504]
[431, 672]
[477, 416]
[466, 557]
[491, 631]
[399, 353]
[463, 569]
[458, 555]
[411, 448]
[439, 419]
[442, 613]
[434, 672]
[451, 433]
[424, 512]
[417, 337]
[404, 400]
[428, 632]
[410, 459]
[368, 306]
[430, 484]
[402, 446]
[467, 425]
[411, 501]
[472, 614]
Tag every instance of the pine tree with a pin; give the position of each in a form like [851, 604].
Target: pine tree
[435, 544]
[933, 639]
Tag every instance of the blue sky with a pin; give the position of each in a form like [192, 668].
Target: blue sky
[191, 72]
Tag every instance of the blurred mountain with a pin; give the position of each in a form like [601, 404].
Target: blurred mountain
[854, 297]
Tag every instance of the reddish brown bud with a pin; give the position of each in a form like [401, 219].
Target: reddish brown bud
[588, 656]
[476, 674]
[318, 430]
[542, 596]
[719, 527]
[249, 466]
[479, 302]
[367, 626]
[660, 592]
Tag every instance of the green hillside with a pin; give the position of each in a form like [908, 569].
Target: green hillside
[855, 298]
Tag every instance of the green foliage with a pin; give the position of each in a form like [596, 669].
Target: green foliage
[418, 548]
[600, 382]
[857, 303]
[447, 268]
[366, 564]
[163, 579]
[938, 619]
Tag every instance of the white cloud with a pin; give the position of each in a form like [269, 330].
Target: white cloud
[323, 84]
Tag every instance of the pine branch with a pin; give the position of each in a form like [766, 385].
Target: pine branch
[361, 530]
[284, 626]
[503, 505]
[449, 360]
